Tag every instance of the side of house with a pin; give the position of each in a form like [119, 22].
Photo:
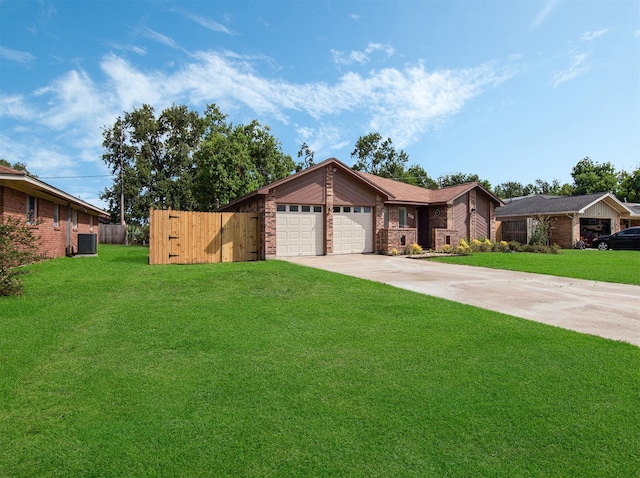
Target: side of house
[58, 217]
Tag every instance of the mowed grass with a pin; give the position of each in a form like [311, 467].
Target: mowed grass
[111, 367]
[609, 266]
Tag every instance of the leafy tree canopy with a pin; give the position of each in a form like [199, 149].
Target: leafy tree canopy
[377, 156]
[591, 177]
[454, 179]
[629, 186]
[182, 160]
[17, 166]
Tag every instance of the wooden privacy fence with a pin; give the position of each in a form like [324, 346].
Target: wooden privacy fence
[181, 237]
[112, 234]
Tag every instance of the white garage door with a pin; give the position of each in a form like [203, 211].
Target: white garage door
[298, 230]
[352, 229]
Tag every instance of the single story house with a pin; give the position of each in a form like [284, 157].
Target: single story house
[331, 209]
[59, 218]
[573, 218]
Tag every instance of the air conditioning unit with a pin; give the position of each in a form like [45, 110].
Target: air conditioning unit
[87, 244]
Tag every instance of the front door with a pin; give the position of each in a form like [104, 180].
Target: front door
[424, 237]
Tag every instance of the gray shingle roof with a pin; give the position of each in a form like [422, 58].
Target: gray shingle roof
[534, 205]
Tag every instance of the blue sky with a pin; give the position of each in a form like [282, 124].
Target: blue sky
[509, 90]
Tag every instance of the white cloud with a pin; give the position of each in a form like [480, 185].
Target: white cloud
[577, 68]
[588, 36]
[542, 15]
[159, 37]
[361, 57]
[354, 16]
[210, 24]
[13, 106]
[132, 48]
[322, 140]
[17, 56]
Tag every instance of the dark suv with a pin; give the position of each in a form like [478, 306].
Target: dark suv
[625, 239]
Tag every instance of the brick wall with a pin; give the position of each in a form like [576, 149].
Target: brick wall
[328, 213]
[562, 231]
[53, 239]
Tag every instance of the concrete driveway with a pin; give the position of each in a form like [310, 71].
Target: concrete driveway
[597, 308]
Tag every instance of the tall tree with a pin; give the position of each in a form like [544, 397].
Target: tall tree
[181, 160]
[590, 177]
[157, 159]
[510, 189]
[232, 161]
[306, 156]
[629, 186]
[377, 156]
[417, 176]
[454, 179]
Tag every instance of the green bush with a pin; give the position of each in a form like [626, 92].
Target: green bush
[413, 249]
[18, 247]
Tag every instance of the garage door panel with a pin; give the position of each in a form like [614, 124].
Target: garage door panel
[352, 232]
[298, 233]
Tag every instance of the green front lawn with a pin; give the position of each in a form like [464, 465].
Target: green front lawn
[609, 266]
[111, 367]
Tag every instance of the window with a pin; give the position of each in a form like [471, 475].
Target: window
[346, 209]
[336, 209]
[386, 217]
[306, 208]
[281, 208]
[293, 208]
[357, 209]
[402, 217]
[317, 208]
[91, 223]
[32, 210]
[56, 215]
[367, 209]
[74, 219]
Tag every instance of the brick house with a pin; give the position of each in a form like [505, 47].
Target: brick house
[331, 209]
[572, 218]
[63, 216]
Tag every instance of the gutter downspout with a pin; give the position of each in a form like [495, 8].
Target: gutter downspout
[69, 252]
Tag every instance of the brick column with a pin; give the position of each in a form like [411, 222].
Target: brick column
[328, 211]
[473, 213]
[269, 225]
[381, 242]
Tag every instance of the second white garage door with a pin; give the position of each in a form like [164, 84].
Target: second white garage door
[299, 230]
[352, 229]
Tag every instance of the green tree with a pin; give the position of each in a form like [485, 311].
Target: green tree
[233, 161]
[417, 176]
[375, 156]
[453, 179]
[590, 177]
[306, 156]
[510, 189]
[157, 160]
[18, 166]
[629, 186]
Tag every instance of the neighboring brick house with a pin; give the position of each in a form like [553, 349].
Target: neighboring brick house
[572, 218]
[331, 209]
[59, 217]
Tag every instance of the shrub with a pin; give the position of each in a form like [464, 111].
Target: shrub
[501, 246]
[447, 249]
[18, 247]
[413, 249]
[394, 252]
[514, 245]
[463, 248]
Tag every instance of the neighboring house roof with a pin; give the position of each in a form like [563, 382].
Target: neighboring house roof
[394, 191]
[21, 181]
[552, 205]
[634, 207]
